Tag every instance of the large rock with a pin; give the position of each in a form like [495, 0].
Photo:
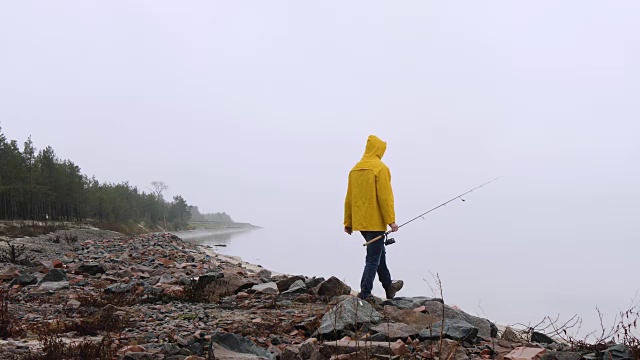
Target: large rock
[291, 352]
[285, 284]
[266, 288]
[541, 338]
[9, 272]
[232, 284]
[525, 353]
[313, 282]
[393, 332]
[561, 355]
[24, 280]
[333, 348]
[510, 335]
[412, 318]
[310, 349]
[239, 344]
[409, 302]
[209, 277]
[486, 329]
[119, 288]
[54, 275]
[297, 287]
[264, 275]
[167, 279]
[348, 315]
[453, 329]
[617, 352]
[333, 287]
[452, 350]
[92, 268]
[53, 285]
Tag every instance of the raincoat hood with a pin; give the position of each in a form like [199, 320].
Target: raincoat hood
[369, 204]
[375, 148]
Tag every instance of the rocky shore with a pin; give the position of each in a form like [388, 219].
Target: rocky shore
[97, 295]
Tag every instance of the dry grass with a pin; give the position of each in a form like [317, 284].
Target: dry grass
[14, 253]
[30, 230]
[9, 326]
[54, 348]
[107, 319]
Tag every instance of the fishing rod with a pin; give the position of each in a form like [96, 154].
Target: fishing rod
[391, 241]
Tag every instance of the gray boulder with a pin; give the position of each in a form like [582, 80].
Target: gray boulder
[541, 338]
[285, 284]
[617, 352]
[209, 278]
[451, 350]
[54, 275]
[561, 355]
[264, 275]
[310, 349]
[333, 287]
[297, 287]
[393, 332]
[313, 282]
[53, 285]
[92, 268]
[486, 329]
[454, 329]
[239, 344]
[24, 280]
[266, 288]
[379, 350]
[119, 288]
[291, 352]
[510, 335]
[349, 315]
[409, 302]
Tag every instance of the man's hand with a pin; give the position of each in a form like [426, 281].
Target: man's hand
[394, 227]
[348, 230]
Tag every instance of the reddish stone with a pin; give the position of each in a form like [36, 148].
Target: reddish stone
[101, 285]
[399, 348]
[9, 273]
[174, 290]
[167, 262]
[57, 264]
[525, 353]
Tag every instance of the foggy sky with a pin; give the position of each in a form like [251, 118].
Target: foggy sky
[261, 108]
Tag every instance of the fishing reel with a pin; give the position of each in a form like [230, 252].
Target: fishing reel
[388, 240]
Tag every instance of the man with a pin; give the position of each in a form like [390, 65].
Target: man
[369, 208]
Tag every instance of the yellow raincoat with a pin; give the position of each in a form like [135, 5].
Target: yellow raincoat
[369, 202]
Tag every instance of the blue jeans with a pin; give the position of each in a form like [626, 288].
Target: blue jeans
[375, 263]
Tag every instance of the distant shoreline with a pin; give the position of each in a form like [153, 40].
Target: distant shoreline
[220, 226]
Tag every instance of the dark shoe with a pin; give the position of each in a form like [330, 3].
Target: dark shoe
[373, 301]
[395, 286]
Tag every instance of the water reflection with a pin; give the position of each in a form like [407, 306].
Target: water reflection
[209, 237]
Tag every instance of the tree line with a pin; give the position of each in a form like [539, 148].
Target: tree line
[37, 185]
[217, 217]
